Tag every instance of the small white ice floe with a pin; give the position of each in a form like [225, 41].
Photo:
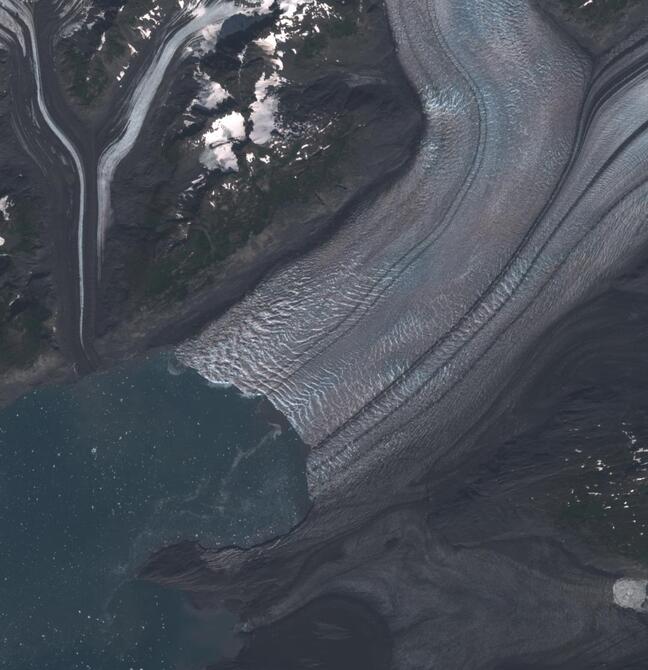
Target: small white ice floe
[2, 241]
[631, 594]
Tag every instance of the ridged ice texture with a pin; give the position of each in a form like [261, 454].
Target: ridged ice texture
[528, 187]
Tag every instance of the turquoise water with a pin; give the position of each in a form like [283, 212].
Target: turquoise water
[95, 476]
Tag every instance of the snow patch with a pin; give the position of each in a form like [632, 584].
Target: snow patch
[209, 35]
[267, 44]
[5, 205]
[264, 109]
[631, 594]
[219, 143]
[212, 94]
[290, 7]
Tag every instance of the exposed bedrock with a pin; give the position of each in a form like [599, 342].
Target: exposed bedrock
[390, 347]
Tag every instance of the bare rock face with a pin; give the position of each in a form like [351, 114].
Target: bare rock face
[598, 25]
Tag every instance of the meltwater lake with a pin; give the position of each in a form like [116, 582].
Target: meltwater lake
[97, 475]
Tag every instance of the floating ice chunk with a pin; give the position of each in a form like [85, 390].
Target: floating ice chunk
[219, 385]
[219, 141]
[631, 594]
[2, 241]
[264, 109]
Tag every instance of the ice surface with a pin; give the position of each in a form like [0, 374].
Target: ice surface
[514, 208]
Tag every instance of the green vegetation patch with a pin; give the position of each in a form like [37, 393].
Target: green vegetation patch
[23, 336]
[93, 56]
[24, 328]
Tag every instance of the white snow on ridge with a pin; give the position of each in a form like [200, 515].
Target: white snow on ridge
[264, 109]
[209, 35]
[263, 112]
[289, 7]
[5, 204]
[139, 104]
[212, 93]
[219, 142]
[267, 44]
